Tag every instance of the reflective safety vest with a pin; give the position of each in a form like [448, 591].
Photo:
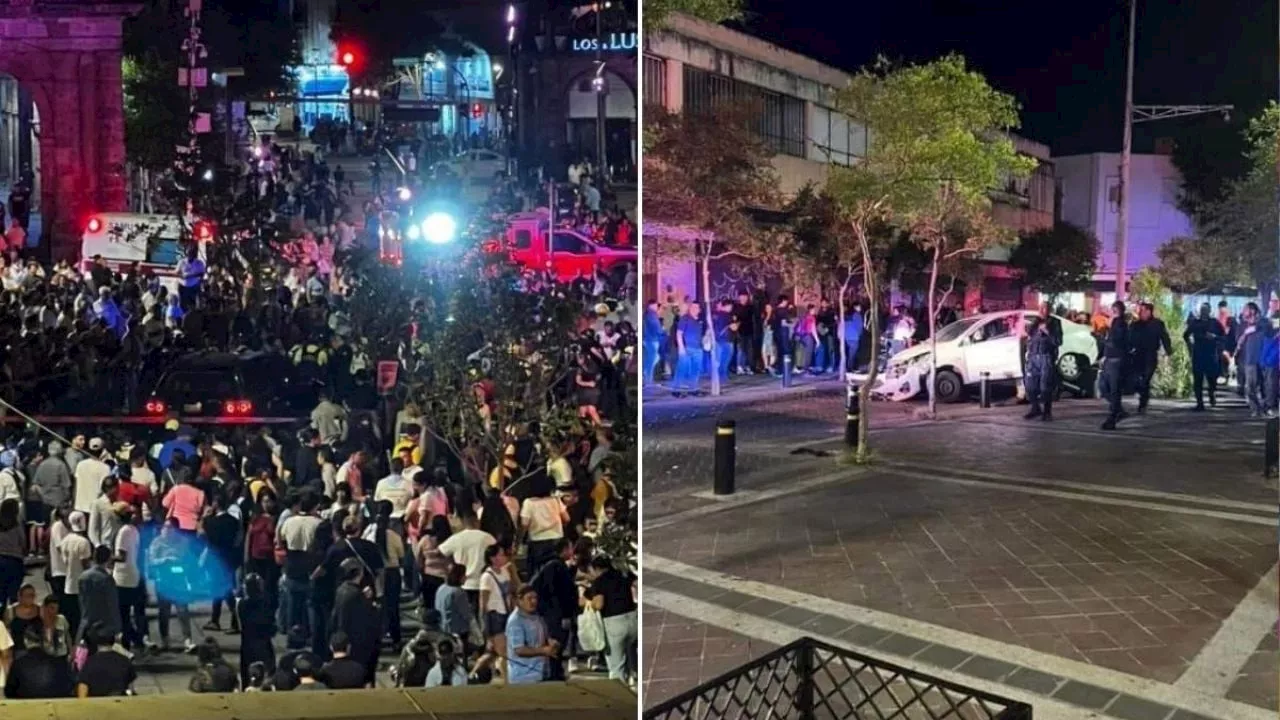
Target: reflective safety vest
[309, 353]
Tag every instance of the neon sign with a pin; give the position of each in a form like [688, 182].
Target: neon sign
[613, 42]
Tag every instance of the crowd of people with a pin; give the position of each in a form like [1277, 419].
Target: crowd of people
[323, 541]
[754, 333]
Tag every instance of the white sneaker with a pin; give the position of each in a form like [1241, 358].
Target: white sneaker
[188, 646]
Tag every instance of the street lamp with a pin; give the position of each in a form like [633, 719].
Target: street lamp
[1136, 114]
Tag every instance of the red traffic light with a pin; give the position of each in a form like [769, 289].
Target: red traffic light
[95, 225]
[348, 58]
[477, 111]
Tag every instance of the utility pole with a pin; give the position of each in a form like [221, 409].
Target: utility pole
[1134, 114]
[600, 85]
[193, 77]
[1122, 232]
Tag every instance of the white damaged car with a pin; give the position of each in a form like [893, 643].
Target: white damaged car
[967, 348]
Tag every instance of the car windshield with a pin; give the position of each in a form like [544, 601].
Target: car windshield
[197, 385]
[955, 329]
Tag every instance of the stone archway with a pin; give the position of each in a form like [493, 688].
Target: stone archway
[67, 53]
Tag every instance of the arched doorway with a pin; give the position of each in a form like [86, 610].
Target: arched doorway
[20, 152]
[620, 120]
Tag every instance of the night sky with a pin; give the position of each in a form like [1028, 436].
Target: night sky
[1063, 61]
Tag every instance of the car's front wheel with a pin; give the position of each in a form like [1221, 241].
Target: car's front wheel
[948, 387]
[1072, 367]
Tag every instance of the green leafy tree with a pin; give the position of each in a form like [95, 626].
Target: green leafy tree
[1244, 222]
[823, 250]
[658, 12]
[1194, 265]
[703, 173]
[941, 131]
[1173, 374]
[1056, 260]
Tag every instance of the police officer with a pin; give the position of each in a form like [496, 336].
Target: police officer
[1042, 366]
[1148, 335]
[1116, 351]
[1204, 338]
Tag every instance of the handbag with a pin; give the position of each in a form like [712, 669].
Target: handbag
[591, 636]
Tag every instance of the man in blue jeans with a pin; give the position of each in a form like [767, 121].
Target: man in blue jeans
[689, 345]
[655, 339]
[722, 325]
[852, 335]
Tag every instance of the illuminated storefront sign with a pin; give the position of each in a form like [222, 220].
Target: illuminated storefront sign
[612, 42]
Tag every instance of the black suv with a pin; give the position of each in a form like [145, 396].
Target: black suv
[230, 386]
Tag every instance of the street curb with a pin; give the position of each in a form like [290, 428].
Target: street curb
[741, 397]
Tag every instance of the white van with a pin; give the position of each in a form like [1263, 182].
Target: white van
[122, 239]
[969, 347]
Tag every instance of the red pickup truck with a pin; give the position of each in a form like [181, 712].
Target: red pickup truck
[530, 241]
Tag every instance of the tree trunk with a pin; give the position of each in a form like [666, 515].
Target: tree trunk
[930, 307]
[863, 452]
[704, 261]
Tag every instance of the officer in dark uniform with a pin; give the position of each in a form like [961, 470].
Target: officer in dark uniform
[1147, 335]
[1204, 339]
[1042, 366]
[1116, 351]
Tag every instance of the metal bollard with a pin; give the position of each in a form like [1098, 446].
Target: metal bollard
[851, 420]
[786, 371]
[984, 390]
[1271, 448]
[725, 456]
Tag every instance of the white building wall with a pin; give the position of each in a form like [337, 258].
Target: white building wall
[1089, 196]
[733, 54]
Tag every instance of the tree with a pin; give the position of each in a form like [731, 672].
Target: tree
[1056, 260]
[941, 144]
[657, 12]
[822, 249]
[703, 173]
[1244, 221]
[1173, 375]
[1194, 265]
[378, 32]
[237, 33]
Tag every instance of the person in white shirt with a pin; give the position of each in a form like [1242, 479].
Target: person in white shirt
[467, 547]
[395, 489]
[10, 484]
[89, 474]
[128, 577]
[446, 672]
[76, 551]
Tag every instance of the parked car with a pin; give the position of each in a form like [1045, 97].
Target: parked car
[967, 348]
[230, 386]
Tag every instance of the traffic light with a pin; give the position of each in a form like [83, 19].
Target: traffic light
[477, 111]
[349, 56]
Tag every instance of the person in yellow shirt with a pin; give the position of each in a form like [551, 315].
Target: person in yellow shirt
[409, 441]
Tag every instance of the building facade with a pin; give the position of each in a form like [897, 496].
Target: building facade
[1089, 186]
[559, 49]
[692, 64]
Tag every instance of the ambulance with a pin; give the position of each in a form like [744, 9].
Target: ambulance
[152, 241]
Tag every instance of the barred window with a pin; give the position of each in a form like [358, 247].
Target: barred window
[655, 81]
[779, 120]
[836, 138]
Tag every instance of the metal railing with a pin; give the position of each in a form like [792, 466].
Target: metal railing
[809, 680]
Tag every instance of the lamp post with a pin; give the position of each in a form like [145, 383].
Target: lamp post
[598, 84]
[1135, 114]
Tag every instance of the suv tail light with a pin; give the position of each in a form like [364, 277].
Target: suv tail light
[238, 407]
[155, 407]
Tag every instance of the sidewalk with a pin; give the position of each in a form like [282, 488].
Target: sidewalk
[741, 389]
